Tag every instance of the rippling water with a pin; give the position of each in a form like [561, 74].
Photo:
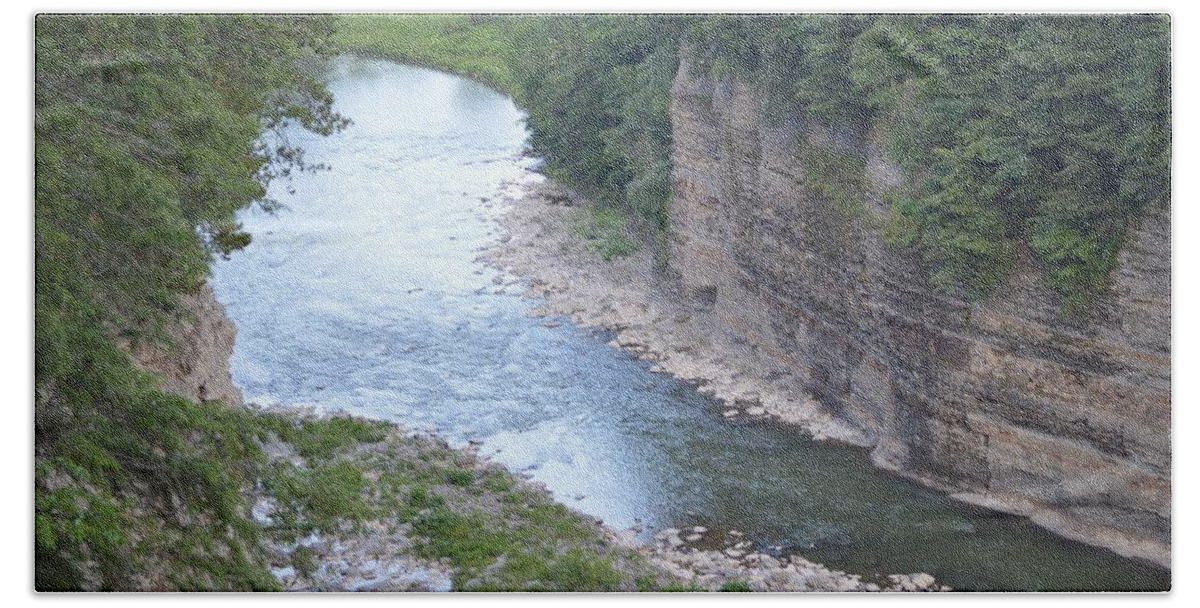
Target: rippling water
[364, 296]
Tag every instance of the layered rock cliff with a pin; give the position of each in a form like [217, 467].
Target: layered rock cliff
[196, 366]
[1006, 403]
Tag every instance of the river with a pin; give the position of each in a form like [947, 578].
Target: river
[364, 295]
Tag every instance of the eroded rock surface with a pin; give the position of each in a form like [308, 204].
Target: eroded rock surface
[783, 304]
[197, 365]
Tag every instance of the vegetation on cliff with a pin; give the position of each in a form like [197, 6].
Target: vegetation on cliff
[1045, 134]
[147, 140]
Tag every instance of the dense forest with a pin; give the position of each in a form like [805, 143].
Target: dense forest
[1040, 133]
[147, 141]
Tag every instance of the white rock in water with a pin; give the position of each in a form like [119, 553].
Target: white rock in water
[699, 529]
[756, 411]
[691, 538]
[729, 413]
[923, 580]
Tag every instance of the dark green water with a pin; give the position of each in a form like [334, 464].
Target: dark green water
[364, 296]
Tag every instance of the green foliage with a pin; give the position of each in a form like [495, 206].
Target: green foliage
[736, 587]
[525, 549]
[606, 232]
[146, 143]
[320, 438]
[477, 46]
[304, 560]
[834, 175]
[319, 498]
[1041, 132]
[459, 477]
[534, 544]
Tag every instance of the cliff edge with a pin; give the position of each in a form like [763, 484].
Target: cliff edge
[197, 365]
[1005, 403]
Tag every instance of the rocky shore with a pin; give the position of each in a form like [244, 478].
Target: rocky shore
[384, 553]
[541, 246]
[740, 567]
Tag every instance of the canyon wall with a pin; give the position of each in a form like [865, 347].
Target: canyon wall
[1005, 404]
[197, 365]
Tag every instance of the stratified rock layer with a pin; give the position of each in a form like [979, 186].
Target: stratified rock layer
[1007, 404]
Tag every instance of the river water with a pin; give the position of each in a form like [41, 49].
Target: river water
[364, 295]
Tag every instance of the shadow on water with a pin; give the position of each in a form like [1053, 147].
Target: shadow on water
[365, 296]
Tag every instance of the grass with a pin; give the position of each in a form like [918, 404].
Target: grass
[320, 439]
[497, 533]
[471, 45]
[607, 233]
[835, 175]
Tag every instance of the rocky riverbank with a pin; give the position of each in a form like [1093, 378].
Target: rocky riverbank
[637, 298]
[541, 246]
[428, 518]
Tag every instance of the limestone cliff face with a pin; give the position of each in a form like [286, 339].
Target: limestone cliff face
[1007, 405]
[198, 365]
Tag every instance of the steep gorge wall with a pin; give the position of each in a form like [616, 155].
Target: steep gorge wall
[1006, 405]
[197, 366]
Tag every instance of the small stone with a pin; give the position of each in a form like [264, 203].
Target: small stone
[729, 413]
[756, 411]
[691, 538]
[551, 324]
[923, 580]
[699, 529]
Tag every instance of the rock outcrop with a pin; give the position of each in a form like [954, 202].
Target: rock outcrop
[1006, 404]
[196, 366]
